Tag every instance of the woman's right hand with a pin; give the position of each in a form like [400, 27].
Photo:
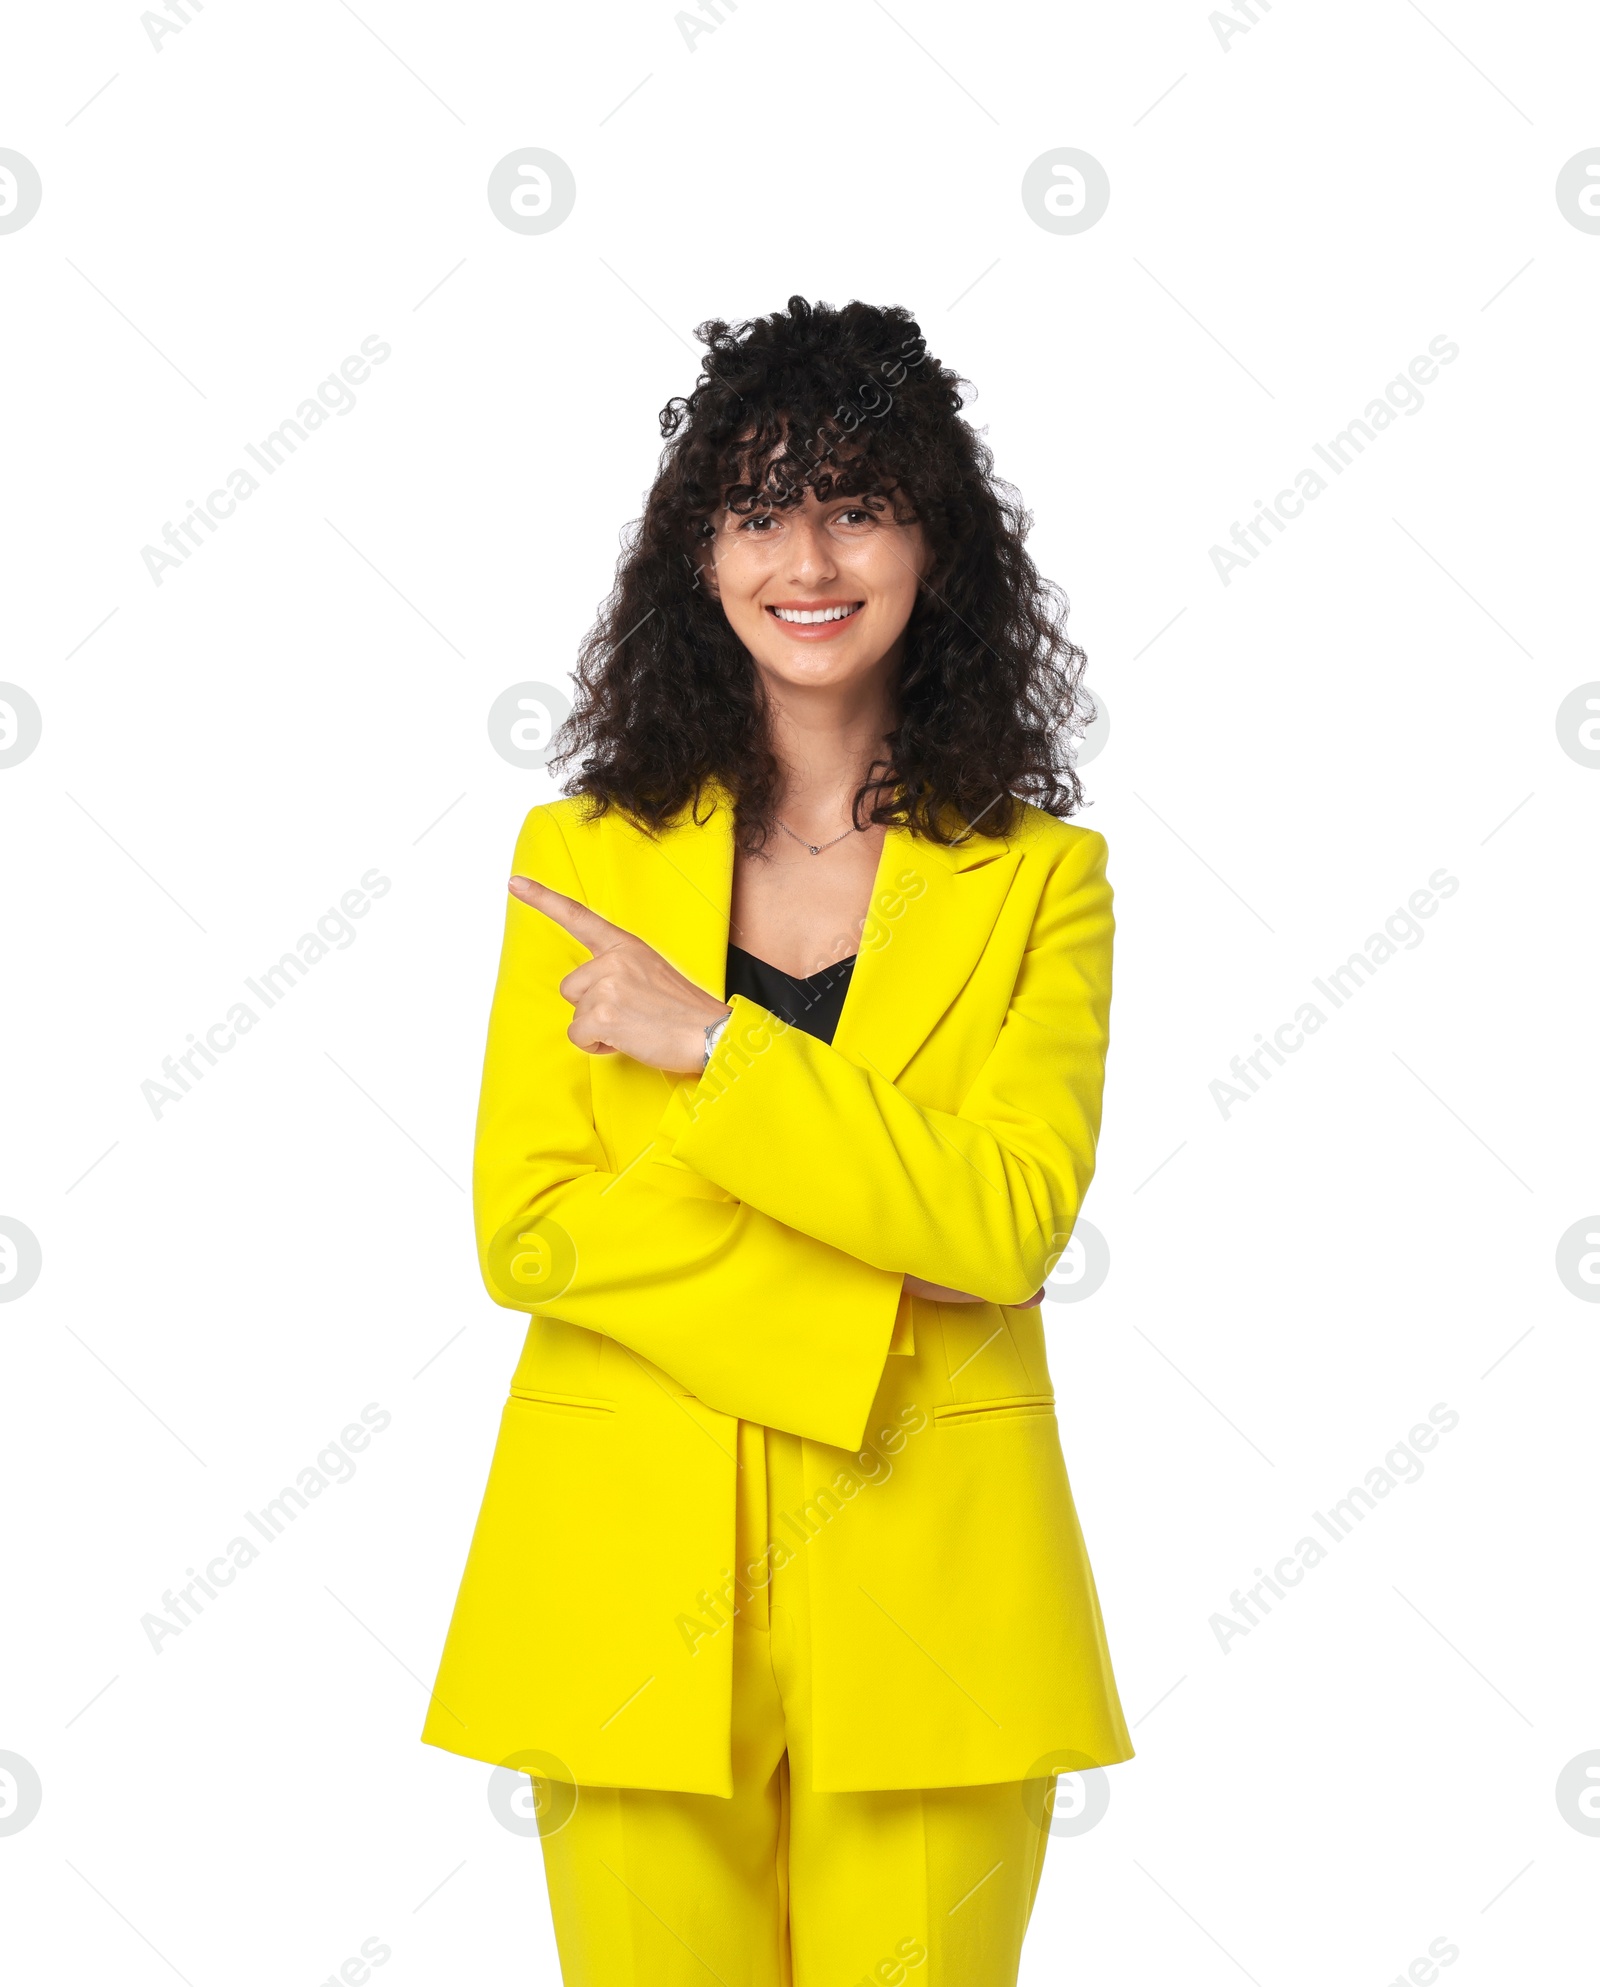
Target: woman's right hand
[941, 1293]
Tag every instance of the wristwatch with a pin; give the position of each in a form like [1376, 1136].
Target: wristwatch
[713, 1036]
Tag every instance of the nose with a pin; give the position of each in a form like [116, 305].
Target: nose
[811, 552]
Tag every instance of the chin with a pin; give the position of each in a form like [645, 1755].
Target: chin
[814, 669]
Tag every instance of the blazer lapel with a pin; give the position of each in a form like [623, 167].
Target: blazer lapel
[677, 888]
[932, 912]
[933, 908]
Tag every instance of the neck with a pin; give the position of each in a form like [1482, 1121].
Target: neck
[825, 742]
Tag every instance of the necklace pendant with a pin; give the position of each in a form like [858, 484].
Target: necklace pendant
[811, 848]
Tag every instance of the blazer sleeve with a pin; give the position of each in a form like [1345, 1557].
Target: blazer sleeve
[752, 1316]
[983, 1198]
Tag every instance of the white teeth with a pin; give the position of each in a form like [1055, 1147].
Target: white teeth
[807, 615]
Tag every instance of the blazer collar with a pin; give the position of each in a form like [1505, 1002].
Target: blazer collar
[933, 908]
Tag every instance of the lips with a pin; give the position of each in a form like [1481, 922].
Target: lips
[795, 614]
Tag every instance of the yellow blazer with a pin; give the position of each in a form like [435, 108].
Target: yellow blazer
[696, 1251]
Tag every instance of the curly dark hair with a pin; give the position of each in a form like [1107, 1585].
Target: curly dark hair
[850, 403]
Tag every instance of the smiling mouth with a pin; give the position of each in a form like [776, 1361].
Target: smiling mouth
[810, 617]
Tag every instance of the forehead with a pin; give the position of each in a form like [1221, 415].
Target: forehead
[743, 497]
[815, 472]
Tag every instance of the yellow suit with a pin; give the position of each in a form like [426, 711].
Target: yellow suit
[701, 1252]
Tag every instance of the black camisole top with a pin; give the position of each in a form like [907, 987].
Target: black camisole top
[814, 1003]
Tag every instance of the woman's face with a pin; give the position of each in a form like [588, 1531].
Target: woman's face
[819, 594]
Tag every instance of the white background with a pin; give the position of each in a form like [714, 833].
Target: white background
[1290, 756]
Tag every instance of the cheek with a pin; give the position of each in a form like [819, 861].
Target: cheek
[893, 574]
[741, 608]
[739, 579]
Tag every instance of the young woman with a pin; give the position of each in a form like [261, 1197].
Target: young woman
[790, 1100]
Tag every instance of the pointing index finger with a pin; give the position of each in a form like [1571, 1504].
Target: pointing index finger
[586, 926]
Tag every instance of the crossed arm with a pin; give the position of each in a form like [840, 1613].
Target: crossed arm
[628, 1000]
[760, 1247]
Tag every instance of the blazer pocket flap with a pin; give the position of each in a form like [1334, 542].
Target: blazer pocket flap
[1008, 1407]
[563, 1403]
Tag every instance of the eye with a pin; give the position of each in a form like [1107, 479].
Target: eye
[857, 513]
[761, 518]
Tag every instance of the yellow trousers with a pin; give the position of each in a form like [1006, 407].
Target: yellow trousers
[780, 1886]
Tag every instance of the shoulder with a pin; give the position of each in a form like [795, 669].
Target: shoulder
[566, 818]
[573, 822]
[553, 836]
[593, 848]
[1064, 865]
[1048, 843]
[1073, 904]
[581, 822]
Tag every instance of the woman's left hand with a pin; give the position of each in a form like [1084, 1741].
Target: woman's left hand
[627, 1000]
